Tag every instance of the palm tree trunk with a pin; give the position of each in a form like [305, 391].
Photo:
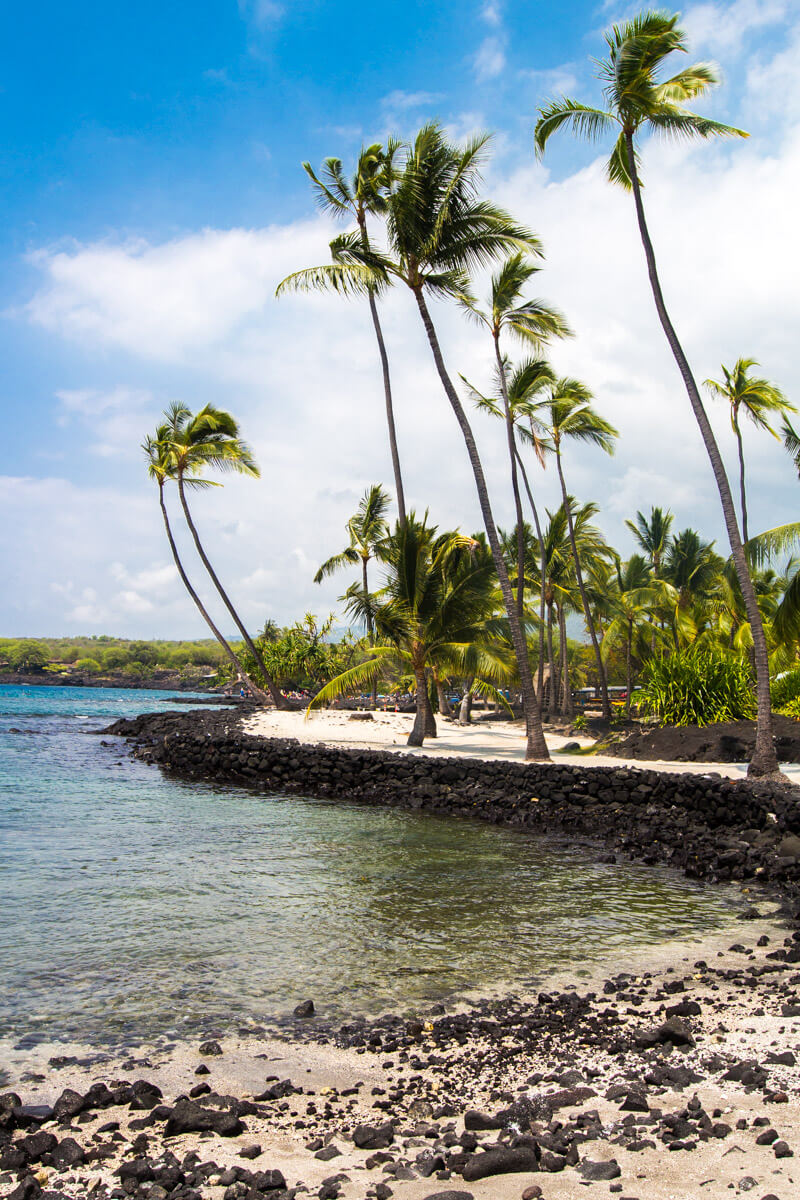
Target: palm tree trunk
[542, 576]
[764, 760]
[387, 387]
[587, 612]
[465, 711]
[628, 646]
[551, 677]
[444, 707]
[235, 663]
[512, 454]
[417, 735]
[370, 627]
[536, 746]
[430, 719]
[278, 699]
[566, 695]
[743, 495]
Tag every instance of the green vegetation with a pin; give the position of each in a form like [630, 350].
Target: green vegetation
[106, 654]
[696, 687]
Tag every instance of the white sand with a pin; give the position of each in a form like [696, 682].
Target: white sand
[484, 740]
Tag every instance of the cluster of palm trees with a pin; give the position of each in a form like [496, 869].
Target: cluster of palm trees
[475, 608]
[437, 624]
[438, 230]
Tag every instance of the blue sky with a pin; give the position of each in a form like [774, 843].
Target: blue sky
[152, 197]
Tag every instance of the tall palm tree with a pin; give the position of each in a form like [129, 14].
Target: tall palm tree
[439, 230]
[368, 539]
[570, 417]
[159, 469]
[523, 384]
[192, 444]
[652, 535]
[531, 321]
[638, 100]
[360, 197]
[756, 399]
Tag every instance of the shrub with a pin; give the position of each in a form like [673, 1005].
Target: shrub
[791, 709]
[90, 665]
[696, 687]
[785, 688]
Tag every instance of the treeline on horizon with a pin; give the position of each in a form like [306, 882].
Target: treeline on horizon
[102, 653]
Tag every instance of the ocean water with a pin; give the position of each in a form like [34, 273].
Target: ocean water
[133, 906]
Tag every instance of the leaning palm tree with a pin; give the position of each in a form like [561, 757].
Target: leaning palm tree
[652, 535]
[363, 196]
[638, 100]
[756, 399]
[192, 444]
[159, 469]
[531, 321]
[439, 230]
[570, 417]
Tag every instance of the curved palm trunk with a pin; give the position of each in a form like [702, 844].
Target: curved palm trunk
[387, 388]
[465, 711]
[255, 689]
[764, 760]
[542, 577]
[742, 494]
[566, 693]
[536, 746]
[512, 454]
[278, 699]
[587, 612]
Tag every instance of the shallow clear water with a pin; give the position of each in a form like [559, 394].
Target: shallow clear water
[133, 906]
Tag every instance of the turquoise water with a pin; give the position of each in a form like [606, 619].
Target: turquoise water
[133, 906]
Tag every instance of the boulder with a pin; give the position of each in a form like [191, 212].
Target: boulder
[189, 1117]
[501, 1161]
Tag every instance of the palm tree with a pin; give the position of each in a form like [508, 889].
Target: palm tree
[433, 613]
[571, 417]
[652, 535]
[523, 384]
[531, 321]
[368, 539]
[360, 197]
[159, 468]
[211, 438]
[633, 601]
[756, 398]
[439, 229]
[638, 100]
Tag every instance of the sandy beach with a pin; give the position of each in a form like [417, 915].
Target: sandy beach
[572, 1077]
[485, 740]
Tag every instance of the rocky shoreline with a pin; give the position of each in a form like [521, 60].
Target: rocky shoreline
[665, 1083]
[711, 828]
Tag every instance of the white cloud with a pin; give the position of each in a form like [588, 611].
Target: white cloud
[261, 13]
[399, 101]
[726, 28]
[492, 12]
[490, 59]
[113, 420]
[302, 376]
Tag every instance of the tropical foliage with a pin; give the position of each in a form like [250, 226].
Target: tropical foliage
[697, 687]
